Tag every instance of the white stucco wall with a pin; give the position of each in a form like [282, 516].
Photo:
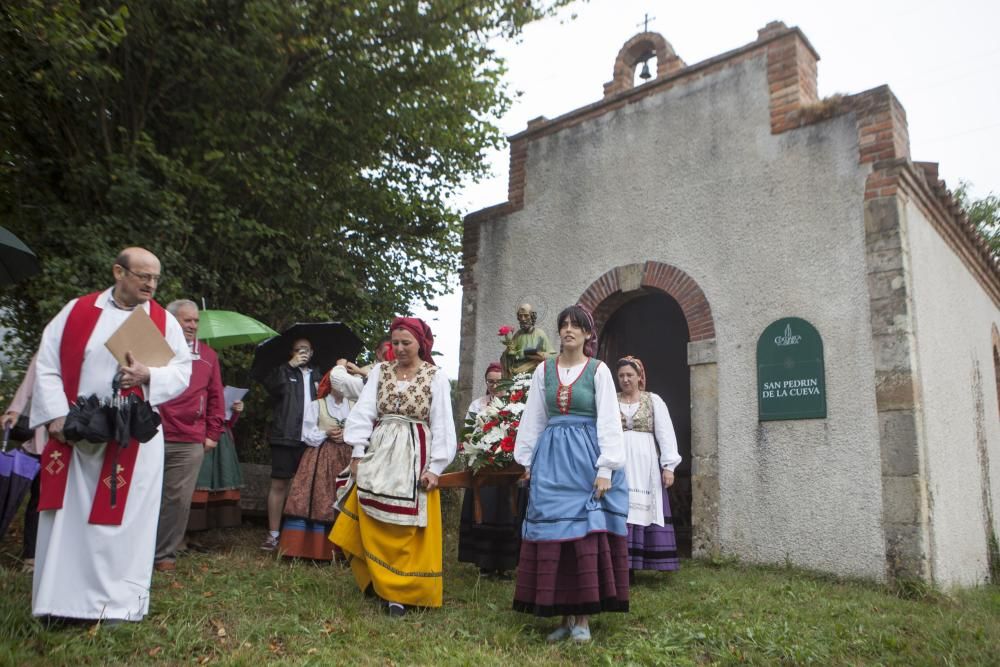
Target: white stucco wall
[954, 317]
[768, 226]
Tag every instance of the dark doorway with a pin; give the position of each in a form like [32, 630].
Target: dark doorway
[653, 327]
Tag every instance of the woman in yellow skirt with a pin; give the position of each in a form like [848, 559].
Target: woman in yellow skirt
[403, 437]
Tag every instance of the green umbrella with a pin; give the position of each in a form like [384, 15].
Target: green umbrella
[225, 328]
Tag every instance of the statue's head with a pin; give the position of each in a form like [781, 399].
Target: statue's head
[526, 317]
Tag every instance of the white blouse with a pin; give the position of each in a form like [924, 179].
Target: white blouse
[609, 426]
[312, 435]
[478, 405]
[663, 429]
[361, 422]
[349, 386]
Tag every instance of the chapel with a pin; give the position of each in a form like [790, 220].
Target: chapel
[815, 309]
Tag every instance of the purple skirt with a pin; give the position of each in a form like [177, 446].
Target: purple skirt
[578, 577]
[654, 547]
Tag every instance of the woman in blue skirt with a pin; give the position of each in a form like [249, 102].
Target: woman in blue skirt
[574, 553]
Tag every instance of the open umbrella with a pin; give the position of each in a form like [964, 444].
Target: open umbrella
[17, 261]
[330, 341]
[17, 470]
[225, 328]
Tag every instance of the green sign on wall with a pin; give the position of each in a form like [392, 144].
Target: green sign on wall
[791, 383]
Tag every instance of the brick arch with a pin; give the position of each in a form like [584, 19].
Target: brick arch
[622, 284]
[637, 50]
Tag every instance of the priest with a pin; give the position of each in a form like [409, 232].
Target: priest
[94, 558]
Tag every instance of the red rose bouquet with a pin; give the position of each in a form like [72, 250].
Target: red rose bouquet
[488, 439]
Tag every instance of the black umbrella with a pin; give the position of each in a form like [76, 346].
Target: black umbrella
[120, 418]
[17, 470]
[16, 259]
[330, 341]
[89, 419]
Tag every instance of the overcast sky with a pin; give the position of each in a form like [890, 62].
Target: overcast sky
[941, 61]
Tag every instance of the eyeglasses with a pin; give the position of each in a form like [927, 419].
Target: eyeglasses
[493, 383]
[143, 277]
[300, 350]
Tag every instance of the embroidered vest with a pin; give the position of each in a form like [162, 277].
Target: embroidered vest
[413, 402]
[577, 398]
[642, 420]
[326, 421]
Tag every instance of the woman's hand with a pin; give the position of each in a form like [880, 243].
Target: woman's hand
[354, 369]
[237, 406]
[354, 467]
[601, 486]
[668, 478]
[9, 418]
[335, 434]
[429, 480]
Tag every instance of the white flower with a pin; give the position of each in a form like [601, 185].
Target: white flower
[516, 408]
[493, 436]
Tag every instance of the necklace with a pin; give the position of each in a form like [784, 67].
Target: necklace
[406, 373]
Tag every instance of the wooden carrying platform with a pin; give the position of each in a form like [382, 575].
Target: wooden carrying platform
[467, 479]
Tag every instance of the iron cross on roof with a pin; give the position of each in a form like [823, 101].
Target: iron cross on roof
[645, 22]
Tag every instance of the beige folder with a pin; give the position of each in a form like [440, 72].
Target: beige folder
[140, 336]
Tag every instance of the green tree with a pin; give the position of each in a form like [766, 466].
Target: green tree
[983, 213]
[294, 160]
[291, 160]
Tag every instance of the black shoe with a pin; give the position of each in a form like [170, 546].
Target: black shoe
[504, 576]
[196, 547]
[395, 610]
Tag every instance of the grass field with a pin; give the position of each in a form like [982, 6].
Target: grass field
[239, 606]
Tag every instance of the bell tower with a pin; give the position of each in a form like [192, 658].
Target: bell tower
[638, 50]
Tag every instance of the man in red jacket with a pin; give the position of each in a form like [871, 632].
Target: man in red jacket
[192, 423]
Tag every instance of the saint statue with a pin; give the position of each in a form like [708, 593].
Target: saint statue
[528, 347]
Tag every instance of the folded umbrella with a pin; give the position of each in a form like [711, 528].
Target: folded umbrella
[17, 471]
[89, 419]
[6, 469]
[144, 422]
[131, 417]
[225, 328]
[330, 341]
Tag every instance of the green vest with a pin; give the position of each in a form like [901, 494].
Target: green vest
[577, 398]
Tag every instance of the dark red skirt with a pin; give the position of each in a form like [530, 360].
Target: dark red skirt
[581, 577]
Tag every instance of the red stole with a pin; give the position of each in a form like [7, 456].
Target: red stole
[56, 458]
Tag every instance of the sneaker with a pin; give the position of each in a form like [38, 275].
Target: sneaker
[395, 610]
[560, 633]
[270, 544]
[580, 634]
